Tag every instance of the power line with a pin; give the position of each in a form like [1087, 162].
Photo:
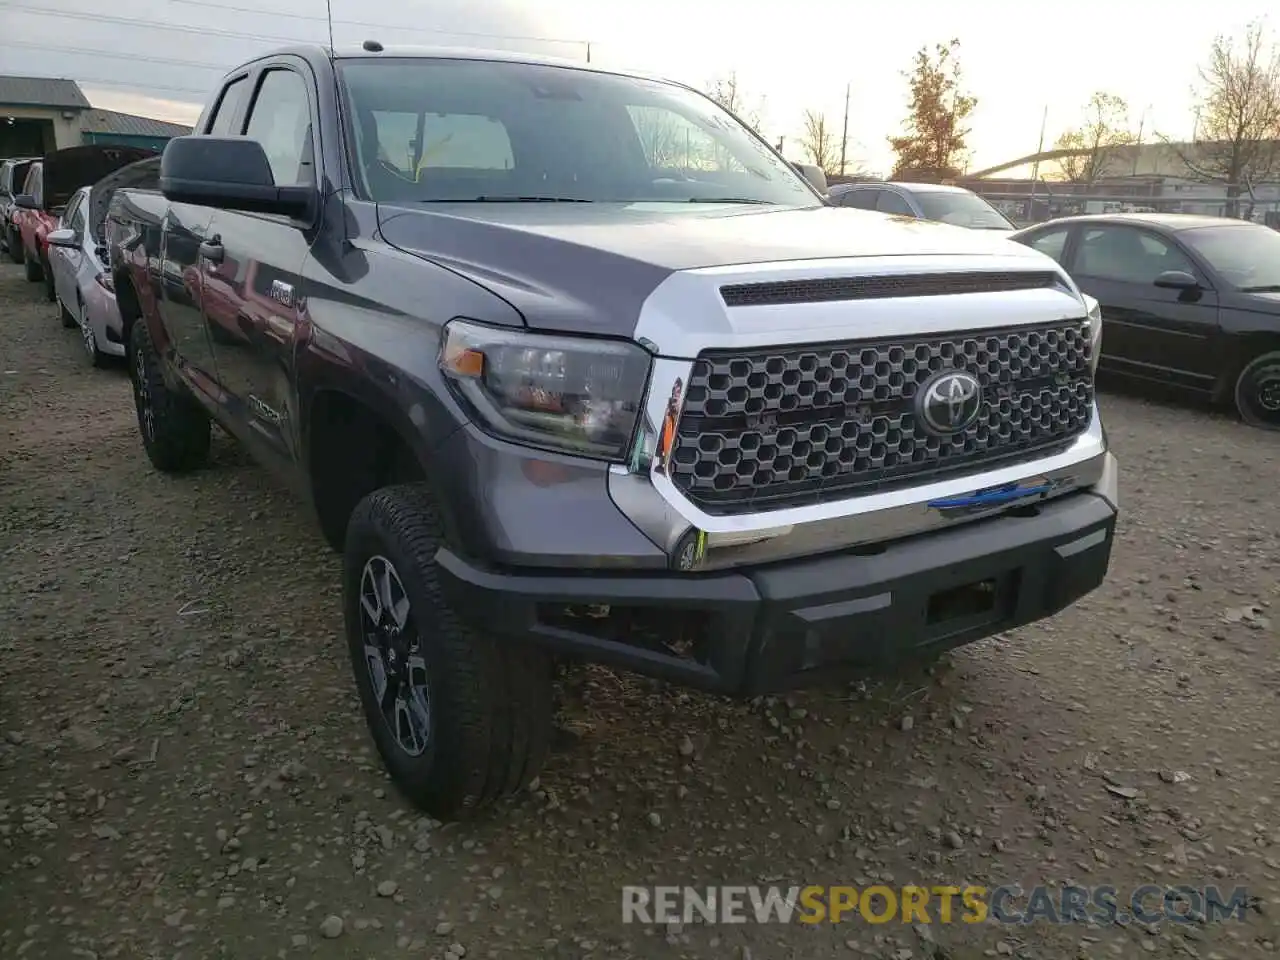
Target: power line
[141, 89]
[148, 25]
[236, 35]
[378, 26]
[52, 48]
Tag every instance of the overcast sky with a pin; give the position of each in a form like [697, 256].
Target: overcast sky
[160, 57]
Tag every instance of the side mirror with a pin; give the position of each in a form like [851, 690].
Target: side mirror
[813, 173]
[26, 201]
[229, 173]
[1177, 280]
[62, 237]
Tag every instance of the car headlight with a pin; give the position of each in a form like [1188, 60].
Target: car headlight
[573, 394]
[1095, 330]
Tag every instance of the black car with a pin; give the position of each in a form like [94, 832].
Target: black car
[923, 201]
[1189, 301]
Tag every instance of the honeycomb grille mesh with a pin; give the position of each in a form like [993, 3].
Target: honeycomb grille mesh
[790, 426]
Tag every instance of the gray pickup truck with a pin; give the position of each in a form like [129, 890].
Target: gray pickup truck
[572, 364]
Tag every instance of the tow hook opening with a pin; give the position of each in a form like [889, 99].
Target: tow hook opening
[969, 600]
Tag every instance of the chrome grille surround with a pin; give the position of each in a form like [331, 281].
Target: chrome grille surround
[764, 429]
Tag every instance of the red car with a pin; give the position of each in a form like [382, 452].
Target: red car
[50, 183]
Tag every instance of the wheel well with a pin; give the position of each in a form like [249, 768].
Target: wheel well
[127, 303]
[1247, 348]
[352, 450]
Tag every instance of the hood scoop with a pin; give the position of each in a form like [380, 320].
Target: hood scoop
[884, 287]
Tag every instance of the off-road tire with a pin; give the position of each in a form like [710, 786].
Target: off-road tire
[178, 441]
[1244, 392]
[31, 268]
[490, 702]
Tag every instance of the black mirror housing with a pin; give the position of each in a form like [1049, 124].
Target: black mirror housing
[1177, 280]
[230, 173]
[26, 201]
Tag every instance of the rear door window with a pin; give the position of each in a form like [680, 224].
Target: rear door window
[223, 123]
[891, 202]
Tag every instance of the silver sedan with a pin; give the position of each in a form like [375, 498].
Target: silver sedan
[82, 283]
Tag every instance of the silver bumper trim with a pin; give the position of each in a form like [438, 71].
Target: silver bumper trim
[646, 495]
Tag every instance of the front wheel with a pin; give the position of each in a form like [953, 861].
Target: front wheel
[1257, 393]
[459, 718]
[175, 429]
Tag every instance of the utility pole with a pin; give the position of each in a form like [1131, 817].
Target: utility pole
[844, 136]
[1137, 148]
[1035, 167]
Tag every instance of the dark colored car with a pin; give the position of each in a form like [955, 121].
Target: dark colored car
[13, 173]
[571, 364]
[1187, 301]
[924, 201]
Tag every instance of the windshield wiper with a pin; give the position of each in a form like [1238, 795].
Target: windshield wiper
[1264, 288]
[728, 200]
[501, 199]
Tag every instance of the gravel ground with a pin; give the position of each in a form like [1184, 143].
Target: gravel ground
[184, 771]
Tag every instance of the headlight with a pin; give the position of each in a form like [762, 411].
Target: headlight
[574, 394]
[1095, 330]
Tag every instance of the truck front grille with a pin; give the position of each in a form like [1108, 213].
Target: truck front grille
[783, 427]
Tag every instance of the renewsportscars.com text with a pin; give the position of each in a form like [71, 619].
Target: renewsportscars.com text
[1010, 904]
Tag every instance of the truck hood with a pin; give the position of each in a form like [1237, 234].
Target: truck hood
[66, 171]
[590, 267]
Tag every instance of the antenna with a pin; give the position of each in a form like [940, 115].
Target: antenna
[328, 9]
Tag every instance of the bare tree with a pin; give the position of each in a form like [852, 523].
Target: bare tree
[665, 144]
[727, 91]
[820, 141]
[1237, 140]
[1105, 127]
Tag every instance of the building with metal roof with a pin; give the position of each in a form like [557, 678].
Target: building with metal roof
[42, 114]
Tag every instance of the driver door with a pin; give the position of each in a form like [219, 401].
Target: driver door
[1150, 333]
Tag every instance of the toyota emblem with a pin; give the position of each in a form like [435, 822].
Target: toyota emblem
[950, 402]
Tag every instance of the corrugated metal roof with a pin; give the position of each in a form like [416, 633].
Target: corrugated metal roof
[109, 121]
[41, 92]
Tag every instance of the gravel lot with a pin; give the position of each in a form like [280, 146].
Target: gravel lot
[184, 771]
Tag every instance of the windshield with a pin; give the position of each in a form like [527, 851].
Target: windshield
[470, 130]
[961, 209]
[1246, 255]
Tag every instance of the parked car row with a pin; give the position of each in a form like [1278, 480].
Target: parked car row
[53, 211]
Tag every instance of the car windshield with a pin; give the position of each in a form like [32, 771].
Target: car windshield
[1246, 255]
[436, 130]
[960, 208]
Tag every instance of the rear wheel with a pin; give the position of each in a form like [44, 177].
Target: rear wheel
[30, 268]
[15, 246]
[459, 718]
[89, 338]
[1257, 392]
[175, 429]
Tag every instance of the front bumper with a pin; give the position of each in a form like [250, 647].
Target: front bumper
[785, 624]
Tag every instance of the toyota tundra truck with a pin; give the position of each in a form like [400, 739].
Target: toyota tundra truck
[572, 366]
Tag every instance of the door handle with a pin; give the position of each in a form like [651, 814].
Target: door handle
[212, 249]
